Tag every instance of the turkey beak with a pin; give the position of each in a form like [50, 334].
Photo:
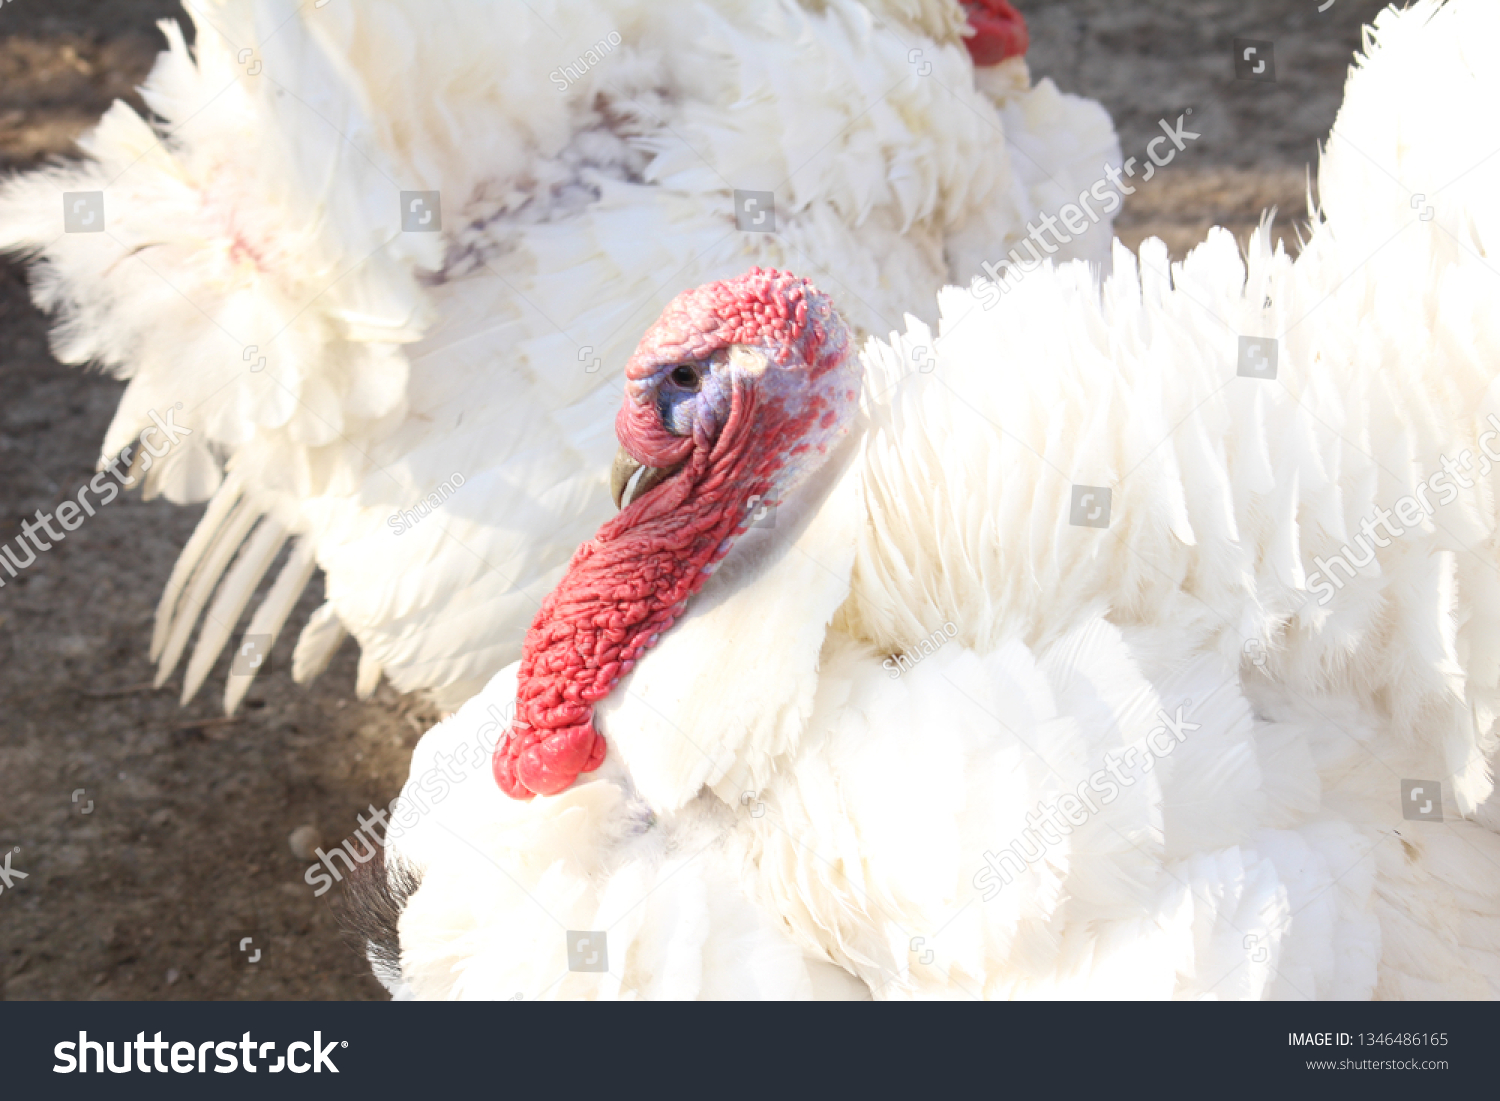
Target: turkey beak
[624, 484]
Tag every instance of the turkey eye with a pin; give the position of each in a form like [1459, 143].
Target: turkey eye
[686, 377]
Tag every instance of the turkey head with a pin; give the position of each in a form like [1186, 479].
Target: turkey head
[734, 396]
[999, 31]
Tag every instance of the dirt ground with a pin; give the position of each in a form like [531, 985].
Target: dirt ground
[155, 838]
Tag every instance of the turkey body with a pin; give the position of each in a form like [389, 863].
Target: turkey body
[388, 259]
[937, 731]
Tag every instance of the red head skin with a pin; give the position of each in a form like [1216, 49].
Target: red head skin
[999, 31]
[778, 387]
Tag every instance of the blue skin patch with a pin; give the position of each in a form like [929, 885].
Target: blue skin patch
[677, 390]
[697, 393]
[691, 394]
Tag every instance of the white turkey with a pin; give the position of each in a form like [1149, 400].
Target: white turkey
[946, 726]
[391, 256]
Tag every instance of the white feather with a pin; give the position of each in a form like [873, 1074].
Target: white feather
[255, 558]
[226, 541]
[316, 645]
[272, 613]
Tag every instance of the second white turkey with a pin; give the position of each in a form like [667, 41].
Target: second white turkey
[388, 259]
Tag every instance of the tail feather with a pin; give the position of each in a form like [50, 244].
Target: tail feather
[202, 539]
[368, 678]
[226, 541]
[255, 558]
[272, 614]
[324, 633]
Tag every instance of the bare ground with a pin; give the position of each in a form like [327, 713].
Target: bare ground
[176, 845]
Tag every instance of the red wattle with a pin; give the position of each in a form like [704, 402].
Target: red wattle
[503, 764]
[552, 764]
[999, 31]
[622, 590]
[627, 586]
